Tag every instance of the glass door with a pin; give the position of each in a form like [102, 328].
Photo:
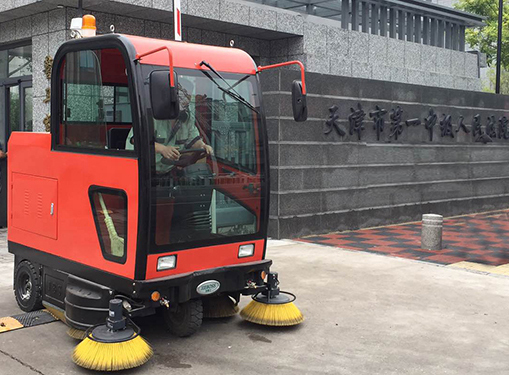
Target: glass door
[26, 109]
[13, 109]
[15, 104]
[19, 107]
[17, 116]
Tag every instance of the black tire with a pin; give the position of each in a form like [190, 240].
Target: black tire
[27, 286]
[186, 320]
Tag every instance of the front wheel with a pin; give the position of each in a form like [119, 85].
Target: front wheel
[27, 286]
[186, 319]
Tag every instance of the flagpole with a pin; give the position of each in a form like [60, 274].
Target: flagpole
[177, 24]
[499, 45]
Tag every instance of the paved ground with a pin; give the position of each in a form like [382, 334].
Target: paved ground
[366, 314]
[479, 238]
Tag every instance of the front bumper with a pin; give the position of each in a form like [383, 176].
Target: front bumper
[182, 288]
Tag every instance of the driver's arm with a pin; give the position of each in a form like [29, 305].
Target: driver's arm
[194, 133]
[201, 144]
[161, 128]
[168, 152]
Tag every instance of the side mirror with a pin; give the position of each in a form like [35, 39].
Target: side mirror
[164, 99]
[299, 103]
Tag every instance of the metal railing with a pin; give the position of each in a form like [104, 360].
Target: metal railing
[411, 20]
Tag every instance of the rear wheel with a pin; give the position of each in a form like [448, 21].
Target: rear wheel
[27, 286]
[186, 319]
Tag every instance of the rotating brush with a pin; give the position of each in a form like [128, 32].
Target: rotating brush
[219, 307]
[273, 307]
[113, 346]
[76, 334]
[55, 313]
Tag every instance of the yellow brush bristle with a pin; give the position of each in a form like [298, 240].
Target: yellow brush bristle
[272, 315]
[100, 356]
[219, 307]
[55, 313]
[77, 334]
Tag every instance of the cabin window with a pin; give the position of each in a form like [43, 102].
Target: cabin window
[201, 200]
[109, 207]
[95, 104]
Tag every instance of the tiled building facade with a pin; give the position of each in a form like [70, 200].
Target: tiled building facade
[268, 33]
[421, 43]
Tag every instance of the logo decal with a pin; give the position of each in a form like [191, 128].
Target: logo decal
[208, 287]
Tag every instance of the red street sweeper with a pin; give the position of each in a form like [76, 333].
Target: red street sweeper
[150, 192]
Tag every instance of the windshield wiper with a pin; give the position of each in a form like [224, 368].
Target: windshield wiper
[230, 87]
[229, 91]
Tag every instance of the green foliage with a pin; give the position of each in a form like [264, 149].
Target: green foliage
[504, 81]
[485, 38]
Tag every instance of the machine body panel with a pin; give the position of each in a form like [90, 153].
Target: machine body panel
[75, 173]
[135, 205]
[122, 178]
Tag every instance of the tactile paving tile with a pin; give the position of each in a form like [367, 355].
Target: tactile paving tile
[480, 238]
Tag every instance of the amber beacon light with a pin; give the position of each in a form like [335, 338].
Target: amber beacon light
[88, 27]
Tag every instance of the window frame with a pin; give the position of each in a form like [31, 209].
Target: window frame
[93, 189]
[57, 92]
[148, 69]
[263, 169]
[14, 45]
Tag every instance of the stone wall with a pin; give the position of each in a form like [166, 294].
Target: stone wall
[329, 49]
[279, 35]
[326, 182]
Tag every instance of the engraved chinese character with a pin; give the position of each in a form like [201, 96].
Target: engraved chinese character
[378, 120]
[476, 126]
[413, 122]
[332, 122]
[491, 129]
[446, 126]
[462, 126]
[430, 122]
[502, 127]
[396, 125]
[355, 119]
[478, 132]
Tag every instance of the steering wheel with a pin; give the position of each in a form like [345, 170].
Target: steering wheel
[187, 157]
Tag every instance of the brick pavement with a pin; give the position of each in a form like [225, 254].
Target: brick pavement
[478, 238]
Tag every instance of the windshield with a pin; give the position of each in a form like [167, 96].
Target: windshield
[208, 177]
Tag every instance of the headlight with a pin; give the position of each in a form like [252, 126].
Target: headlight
[246, 250]
[167, 263]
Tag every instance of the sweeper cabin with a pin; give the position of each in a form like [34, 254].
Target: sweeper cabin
[150, 192]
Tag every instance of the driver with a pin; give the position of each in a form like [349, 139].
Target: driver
[174, 212]
[174, 135]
